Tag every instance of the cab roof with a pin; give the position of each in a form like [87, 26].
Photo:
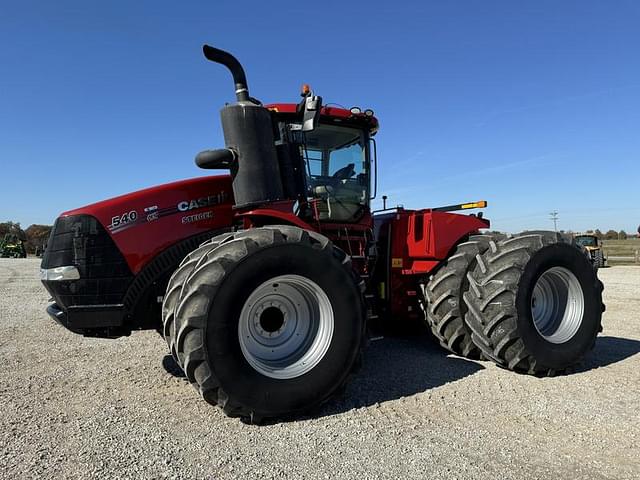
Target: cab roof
[335, 113]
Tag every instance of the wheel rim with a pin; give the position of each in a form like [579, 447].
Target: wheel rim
[286, 326]
[557, 305]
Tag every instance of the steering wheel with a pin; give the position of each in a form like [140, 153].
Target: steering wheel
[345, 172]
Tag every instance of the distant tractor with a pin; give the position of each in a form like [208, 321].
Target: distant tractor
[593, 249]
[265, 281]
[12, 247]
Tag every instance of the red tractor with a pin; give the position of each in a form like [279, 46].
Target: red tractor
[263, 282]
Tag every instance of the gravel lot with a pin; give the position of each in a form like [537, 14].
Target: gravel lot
[74, 407]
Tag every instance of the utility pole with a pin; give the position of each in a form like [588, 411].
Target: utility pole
[554, 217]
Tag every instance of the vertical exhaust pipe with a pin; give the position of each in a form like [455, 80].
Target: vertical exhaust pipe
[250, 152]
[232, 63]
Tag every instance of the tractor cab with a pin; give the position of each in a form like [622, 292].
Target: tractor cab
[314, 160]
[331, 156]
[337, 171]
[587, 241]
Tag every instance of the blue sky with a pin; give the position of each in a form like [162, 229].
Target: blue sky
[531, 105]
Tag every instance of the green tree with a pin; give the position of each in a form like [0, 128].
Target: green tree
[598, 234]
[622, 235]
[611, 235]
[11, 227]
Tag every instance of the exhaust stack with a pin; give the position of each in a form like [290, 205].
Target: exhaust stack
[250, 151]
[232, 63]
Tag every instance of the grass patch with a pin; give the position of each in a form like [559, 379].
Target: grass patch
[621, 248]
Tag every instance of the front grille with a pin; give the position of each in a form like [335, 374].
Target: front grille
[81, 241]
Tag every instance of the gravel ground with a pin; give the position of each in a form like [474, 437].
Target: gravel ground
[74, 407]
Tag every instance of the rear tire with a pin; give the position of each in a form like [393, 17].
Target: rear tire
[598, 259]
[443, 304]
[278, 288]
[534, 303]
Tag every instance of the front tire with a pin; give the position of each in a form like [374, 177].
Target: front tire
[534, 303]
[174, 289]
[269, 323]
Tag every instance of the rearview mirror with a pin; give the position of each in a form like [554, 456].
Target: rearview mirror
[311, 113]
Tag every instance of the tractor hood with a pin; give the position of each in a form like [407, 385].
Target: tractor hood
[145, 222]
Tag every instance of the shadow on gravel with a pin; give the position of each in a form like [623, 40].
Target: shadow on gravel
[171, 367]
[609, 350]
[393, 367]
[399, 367]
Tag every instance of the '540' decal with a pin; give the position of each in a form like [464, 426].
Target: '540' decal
[120, 221]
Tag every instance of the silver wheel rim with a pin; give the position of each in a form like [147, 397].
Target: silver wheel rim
[557, 305]
[286, 326]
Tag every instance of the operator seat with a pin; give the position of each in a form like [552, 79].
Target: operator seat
[341, 196]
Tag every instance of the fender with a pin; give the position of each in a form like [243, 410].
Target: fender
[422, 239]
[144, 223]
[265, 216]
[434, 234]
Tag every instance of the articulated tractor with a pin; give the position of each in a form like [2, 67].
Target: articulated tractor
[265, 280]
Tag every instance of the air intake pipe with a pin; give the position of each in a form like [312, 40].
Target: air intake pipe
[248, 135]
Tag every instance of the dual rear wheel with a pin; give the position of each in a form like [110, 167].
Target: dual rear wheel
[531, 303]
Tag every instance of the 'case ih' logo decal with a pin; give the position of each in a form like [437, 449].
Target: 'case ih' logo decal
[202, 202]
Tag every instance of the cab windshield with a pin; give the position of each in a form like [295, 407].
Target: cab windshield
[337, 168]
[587, 241]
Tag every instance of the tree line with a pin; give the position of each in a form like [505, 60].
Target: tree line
[34, 236]
[610, 234]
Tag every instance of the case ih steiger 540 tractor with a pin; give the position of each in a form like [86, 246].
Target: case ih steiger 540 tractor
[263, 281]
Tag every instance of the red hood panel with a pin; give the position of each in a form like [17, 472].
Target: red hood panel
[145, 222]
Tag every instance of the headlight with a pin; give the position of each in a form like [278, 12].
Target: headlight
[59, 273]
